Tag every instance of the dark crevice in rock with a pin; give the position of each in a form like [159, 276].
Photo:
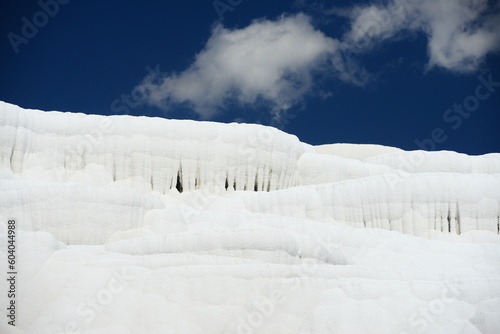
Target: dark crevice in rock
[178, 185]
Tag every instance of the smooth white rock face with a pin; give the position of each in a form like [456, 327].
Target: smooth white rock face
[266, 235]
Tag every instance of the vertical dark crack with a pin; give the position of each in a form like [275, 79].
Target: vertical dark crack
[449, 219]
[197, 178]
[269, 182]
[178, 185]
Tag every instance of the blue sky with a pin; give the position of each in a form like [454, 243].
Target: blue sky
[411, 74]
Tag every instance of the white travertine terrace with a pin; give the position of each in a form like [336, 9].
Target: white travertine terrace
[147, 225]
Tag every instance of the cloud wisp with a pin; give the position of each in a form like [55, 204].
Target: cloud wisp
[460, 33]
[275, 63]
[270, 62]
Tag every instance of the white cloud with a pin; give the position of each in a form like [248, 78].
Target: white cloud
[460, 32]
[275, 63]
[271, 61]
